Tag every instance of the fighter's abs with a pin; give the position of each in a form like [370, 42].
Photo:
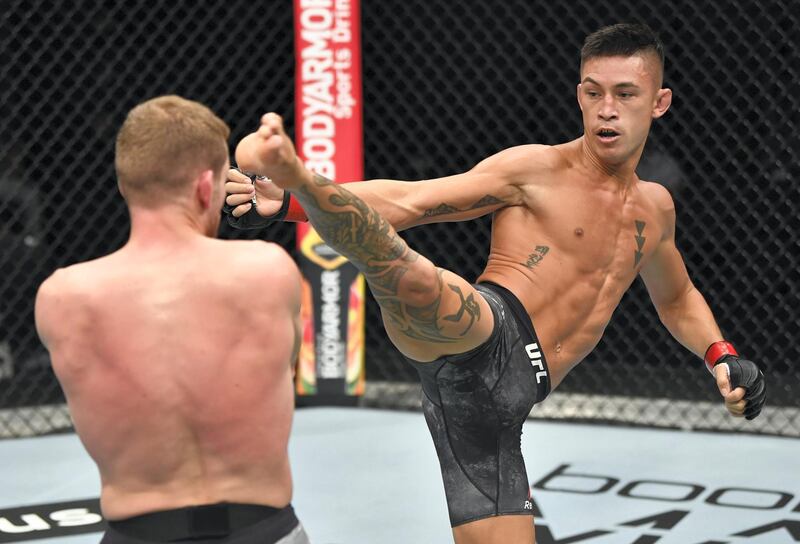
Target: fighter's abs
[570, 266]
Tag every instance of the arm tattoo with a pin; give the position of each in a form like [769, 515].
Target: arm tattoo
[359, 233]
[441, 209]
[638, 254]
[445, 209]
[488, 200]
[536, 257]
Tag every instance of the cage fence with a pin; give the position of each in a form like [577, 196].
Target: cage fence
[445, 85]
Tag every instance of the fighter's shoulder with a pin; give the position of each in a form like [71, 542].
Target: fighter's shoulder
[50, 287]
[660, 201]
[67, 281]
[64, 290]
[259, 258]
[524, 162]
[658, 195]
[526, 157]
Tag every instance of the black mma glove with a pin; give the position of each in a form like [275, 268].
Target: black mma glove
[252, 219]
[743, 373]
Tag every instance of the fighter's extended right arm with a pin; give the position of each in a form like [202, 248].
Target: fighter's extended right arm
[494, 183]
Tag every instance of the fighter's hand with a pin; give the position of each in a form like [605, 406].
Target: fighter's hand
[742, 385]
[270, 152]
[243, 193]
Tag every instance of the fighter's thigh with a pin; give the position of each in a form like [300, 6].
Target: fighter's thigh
[440, 314]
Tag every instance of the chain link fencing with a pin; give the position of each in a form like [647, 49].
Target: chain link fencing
[445, 85]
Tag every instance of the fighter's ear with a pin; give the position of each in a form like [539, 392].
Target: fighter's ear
[204, 188]
[663, 102]
[578, 96]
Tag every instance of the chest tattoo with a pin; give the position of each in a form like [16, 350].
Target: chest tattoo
[535, 258]
[640, 238]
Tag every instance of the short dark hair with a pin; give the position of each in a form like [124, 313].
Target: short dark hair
[623, 40]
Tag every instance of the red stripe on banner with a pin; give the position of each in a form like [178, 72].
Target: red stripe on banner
[328, 112]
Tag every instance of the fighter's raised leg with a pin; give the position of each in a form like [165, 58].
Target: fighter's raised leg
[428, 311]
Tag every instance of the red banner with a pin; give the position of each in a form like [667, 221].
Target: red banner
[329, 140]
[329, 132]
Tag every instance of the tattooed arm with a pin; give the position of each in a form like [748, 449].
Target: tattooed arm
[495, 182]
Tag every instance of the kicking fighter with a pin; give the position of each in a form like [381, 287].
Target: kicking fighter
[179, 388]
[572, 228]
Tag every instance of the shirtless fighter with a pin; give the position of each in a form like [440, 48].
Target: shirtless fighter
[572, 228]
[180, 388]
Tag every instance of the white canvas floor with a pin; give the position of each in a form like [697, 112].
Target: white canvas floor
[369, 476]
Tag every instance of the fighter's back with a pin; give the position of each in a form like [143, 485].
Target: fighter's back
[176, 363]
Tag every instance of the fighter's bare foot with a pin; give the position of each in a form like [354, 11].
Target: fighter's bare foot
[270, 152]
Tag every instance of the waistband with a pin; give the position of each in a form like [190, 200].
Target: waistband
[523, 318]
[207, 521]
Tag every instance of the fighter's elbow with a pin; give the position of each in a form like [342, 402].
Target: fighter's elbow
[672, 309]
[404, 215]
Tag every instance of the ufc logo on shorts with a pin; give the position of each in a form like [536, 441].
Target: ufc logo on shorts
[536, 360]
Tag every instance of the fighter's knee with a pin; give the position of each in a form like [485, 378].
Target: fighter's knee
[421, 285]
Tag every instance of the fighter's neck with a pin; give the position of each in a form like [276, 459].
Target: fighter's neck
[623, 174]
[164, 226]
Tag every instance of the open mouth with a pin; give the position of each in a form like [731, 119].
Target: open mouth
[607, 135]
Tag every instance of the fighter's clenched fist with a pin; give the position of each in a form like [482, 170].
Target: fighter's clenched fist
[740, 381]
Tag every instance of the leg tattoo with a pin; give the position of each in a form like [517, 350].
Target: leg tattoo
[359, 233]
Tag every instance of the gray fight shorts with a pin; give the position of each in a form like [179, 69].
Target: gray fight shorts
[475, 404]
